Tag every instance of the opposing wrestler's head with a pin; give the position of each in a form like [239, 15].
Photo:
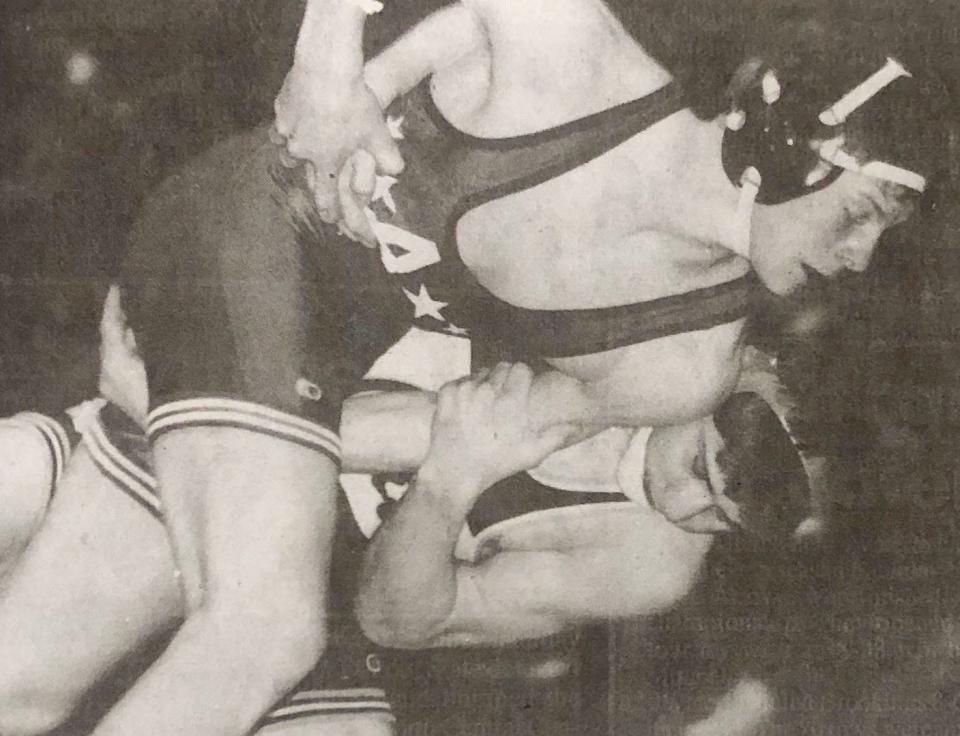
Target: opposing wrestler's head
[741, 468]
[827, 156]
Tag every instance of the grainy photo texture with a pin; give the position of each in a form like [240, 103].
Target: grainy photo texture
[491, 367]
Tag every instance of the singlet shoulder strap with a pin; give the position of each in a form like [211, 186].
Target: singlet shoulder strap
[499, 166]
[570, 332]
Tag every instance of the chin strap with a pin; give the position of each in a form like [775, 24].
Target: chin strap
[370, 7]
[750, 181]
[832, 152]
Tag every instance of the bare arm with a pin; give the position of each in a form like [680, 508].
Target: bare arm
[416, 594]
[439, 41]
[324, 111]
[390, 432]
[386, 431]
[330, 108]
[330, 38]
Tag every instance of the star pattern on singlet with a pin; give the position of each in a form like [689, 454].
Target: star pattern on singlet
[424, 305]
[409, 256]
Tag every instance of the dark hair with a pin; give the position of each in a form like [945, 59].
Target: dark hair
[764, 473]
[906, 124]
[819, 56]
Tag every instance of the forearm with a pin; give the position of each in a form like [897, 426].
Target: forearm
[387, 431]
[409, 582]
[331, 37]
[390, 431]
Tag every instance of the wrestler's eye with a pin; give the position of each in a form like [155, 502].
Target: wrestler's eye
[856, 216]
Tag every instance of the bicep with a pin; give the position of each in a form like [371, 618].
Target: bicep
[644, 566]
[439, 41]
[668, 381]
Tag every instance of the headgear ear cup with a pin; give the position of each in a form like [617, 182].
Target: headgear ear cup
[772, 140]
[797, 147]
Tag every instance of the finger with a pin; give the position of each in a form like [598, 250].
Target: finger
[358, 230]
[325, 195]
[385, 151]
[555, 437]
[113, 321]
[709, 521]
[280, 123]
[713, 445]
[729, 509]
[498, 376]
[288, 160]
[276, 137]
[298, 147]
[446, 401]
[364, 181]
[683, 499]
[353, 209]
[518, 380]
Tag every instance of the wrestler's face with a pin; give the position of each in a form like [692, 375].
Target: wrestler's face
[830, 230]
[683, 478]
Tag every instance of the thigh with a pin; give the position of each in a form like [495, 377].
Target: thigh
[25, 481]
[96, 583]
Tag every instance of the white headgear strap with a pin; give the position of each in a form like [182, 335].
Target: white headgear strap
[832, 152]
[863, 92]
[370, 7]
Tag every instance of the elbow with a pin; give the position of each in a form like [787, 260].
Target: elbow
[669, 580]
[388, 626]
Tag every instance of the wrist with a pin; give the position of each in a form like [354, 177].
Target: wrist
[381, 82]
[451, 494]
[331, 37]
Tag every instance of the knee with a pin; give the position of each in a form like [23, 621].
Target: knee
[289, 651]
[300, 643]
[280, 644]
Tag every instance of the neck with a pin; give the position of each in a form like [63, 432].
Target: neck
[714, 218]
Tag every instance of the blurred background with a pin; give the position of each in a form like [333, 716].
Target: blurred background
[100, 99]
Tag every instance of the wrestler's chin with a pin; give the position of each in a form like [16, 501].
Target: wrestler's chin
[782, 277]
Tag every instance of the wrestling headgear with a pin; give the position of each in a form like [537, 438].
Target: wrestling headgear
[782, 146]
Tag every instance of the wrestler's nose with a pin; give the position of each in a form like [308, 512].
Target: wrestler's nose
[682, 499]
[857, 250]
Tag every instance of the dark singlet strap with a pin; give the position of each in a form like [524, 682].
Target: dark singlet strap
[520, 494]
[537, 157]
[484, 169]
[569, 332]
